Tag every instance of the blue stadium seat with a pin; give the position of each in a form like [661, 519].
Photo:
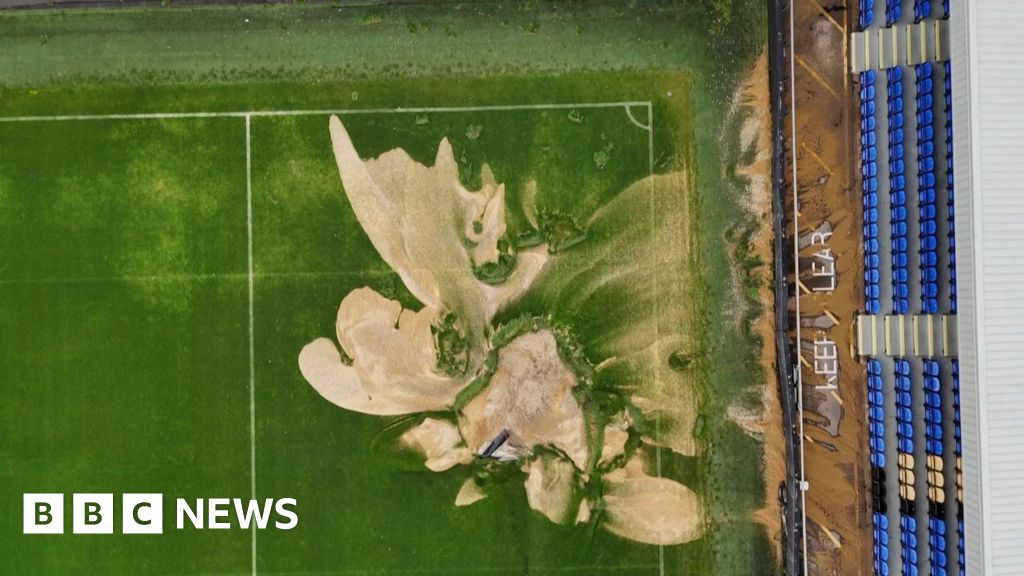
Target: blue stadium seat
[903, 399]
[893, 11]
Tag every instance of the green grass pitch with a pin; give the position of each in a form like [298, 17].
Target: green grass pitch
[141, 350]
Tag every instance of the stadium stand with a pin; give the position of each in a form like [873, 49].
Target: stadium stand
[932, 397]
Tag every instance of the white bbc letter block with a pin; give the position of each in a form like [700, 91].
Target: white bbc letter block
[92, 514]
[42, 514]
[142, 514]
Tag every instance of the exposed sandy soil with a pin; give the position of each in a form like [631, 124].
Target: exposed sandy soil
[615, 439]
[823, 558]
[469, 493]
[440, 442]
[838, 501]
[648, 509]
[432, 232]
[530, 397]
[491, 221]
[420, 219]
[551, 486]
[393, 359]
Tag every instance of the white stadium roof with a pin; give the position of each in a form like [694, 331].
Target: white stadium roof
[987, 51]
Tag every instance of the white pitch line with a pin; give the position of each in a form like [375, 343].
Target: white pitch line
[349, 111]
[252, 350]
[629, 113]
[649, 128]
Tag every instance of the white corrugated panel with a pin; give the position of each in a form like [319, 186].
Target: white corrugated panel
[987, 48]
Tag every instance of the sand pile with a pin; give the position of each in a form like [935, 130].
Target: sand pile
[529, 397]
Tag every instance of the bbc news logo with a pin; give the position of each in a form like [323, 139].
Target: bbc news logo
[144, 513]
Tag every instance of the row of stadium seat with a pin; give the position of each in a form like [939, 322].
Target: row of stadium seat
[932, 408]
[904, 419]
[922, 9]
[948, 90]
[926, 195]
[893, 11]
[869, 171]
[908, 543]
[905, 463]
[876, 414]
[879, 520]
[960, 546]
[880, 534]
[937, 546]
[956, 406]
[897, 193]
[955, 364]
[867, 13]
[959, 473]
[933, 438]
